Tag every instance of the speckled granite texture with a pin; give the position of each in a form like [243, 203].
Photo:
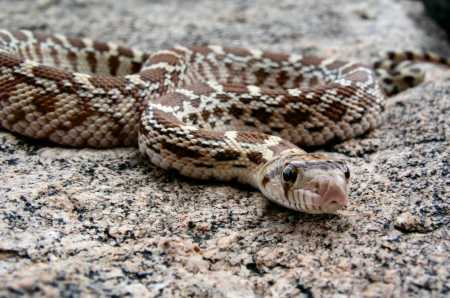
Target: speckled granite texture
[81, 222]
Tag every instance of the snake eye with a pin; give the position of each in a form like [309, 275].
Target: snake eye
[347, 173]
[290, 174]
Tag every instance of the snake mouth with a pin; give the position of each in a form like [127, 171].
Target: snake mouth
[322, 195]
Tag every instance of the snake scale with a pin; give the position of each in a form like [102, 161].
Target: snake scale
[230, 114]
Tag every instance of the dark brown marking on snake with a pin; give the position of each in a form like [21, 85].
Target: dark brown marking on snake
[261, 76]
[409, 55]
[108, 83]
[9, 60]
[276, 57]
[57, 41]
[245, 99]
[235, 111]
[175, 99]
[100, 46]
[153, 75]
[92, 61]
[298, 80]
[51, 73]
[282, 78]
[218, 112]
[265, 180]
[73, 60]
[334, 111]
[81, 117]
[54, 54]
[227, 155]
[443, 60]
[251, 137]
[234, 88]
[348, 91]
[222, 97]
[205, 115]
[391, 55]
[136, 67]
[44, 103]
[209, 135]
[200, 89]
[113, 65]
[193, 118]
[311, 60]
[125, 52]
[180, 151]
[238, 52]
[377, 64]
[239, 166]
[204, 51]
[76, 43]
[427, 57]
[28, 52]
[37, 49]
[316, 128]
[175, 77]
[261, 114]
[256, 157]
[18, 114]
[163, 57]
[410, 81]
[314, 81]
[203, 165]
[297, 116]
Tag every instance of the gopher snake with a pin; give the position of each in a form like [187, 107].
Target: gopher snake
[196, 109]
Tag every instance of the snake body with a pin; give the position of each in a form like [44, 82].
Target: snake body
[207, 112]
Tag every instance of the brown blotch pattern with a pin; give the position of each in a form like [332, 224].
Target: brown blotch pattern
[256, 157]
[262, 114]
[296, 117]
[100, 46]
[276, 57]
[173, 99]
[153, 75]
[113, 64]
[52, 73]
[167, 58]
[201, 89]
[180, 151]
[76, 43]
[251, 137]
[108, 82]
[9, 60]
[311, 60]
[165, 119]
[236, 111]
[238, 51]
[227, 155]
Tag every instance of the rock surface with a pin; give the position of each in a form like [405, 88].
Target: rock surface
[79, 222]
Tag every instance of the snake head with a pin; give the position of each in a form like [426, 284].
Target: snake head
[311, 183]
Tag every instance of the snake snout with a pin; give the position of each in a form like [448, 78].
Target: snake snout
[333, 194]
